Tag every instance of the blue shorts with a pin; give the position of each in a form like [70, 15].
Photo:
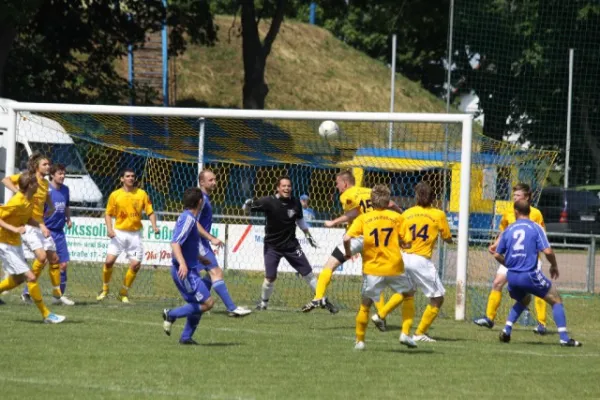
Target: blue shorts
[520, 284]
[207, 252]
[192, 289]
[60, 240]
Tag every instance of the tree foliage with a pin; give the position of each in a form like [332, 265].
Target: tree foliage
[520, 50]
[66, 51]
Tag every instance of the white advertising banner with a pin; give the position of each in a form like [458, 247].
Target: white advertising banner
[87, 241]
[245, 249]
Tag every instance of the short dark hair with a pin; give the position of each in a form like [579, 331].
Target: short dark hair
[522, 207]
[34, 161]
[283, 178]
[523, 187]
[348, 176]
[54, 168]
[126, 170]
[191, 197]
[424, 194]
[26, 179]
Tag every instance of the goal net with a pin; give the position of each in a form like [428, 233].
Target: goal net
[248, 151]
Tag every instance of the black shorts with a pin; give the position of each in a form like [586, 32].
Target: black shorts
[294, 255]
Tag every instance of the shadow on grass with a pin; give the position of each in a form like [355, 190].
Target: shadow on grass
[38, 322]
[411, 351]
[222, 344]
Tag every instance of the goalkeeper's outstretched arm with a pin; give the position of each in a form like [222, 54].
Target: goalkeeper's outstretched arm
[304, 227]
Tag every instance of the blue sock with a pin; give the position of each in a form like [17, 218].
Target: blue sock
[207, 282]
[223, 293]
[190, 326]
[25, 289]
[513, 316]
[63, 282]
[185, 311]
[558, 312]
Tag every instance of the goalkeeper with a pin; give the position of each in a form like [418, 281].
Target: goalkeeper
[283, 213]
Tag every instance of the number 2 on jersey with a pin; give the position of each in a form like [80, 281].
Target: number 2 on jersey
[519, 236]
[421, 234]
[375, 233]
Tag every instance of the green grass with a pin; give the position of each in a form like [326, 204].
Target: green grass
[110, 350]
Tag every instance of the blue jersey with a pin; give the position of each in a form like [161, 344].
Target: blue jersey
[60, 200]
[187, 236]
[520, 243]
[205, 217]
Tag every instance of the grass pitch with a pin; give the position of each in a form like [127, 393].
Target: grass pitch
[115, 351]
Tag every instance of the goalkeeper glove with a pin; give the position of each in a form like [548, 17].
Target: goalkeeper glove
[311, 240]
[247, 205]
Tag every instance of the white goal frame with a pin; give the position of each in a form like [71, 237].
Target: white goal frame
[466, 121]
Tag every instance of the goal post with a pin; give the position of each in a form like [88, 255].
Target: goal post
[249, 148]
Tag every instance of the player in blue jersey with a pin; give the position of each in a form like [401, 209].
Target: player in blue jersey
[518, 250]
[184, 271]
[58, 194]
[208, 182]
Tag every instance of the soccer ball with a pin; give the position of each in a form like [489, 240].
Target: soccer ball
[329, 129]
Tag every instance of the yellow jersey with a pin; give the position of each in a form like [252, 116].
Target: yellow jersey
[17, 212]
[382, 232]
[422, 225]
[39, 198]
[127, 208]
[509, 217]
[356, 197]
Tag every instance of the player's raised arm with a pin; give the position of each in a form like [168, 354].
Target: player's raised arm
[11, 182]
[255, 205]
[347, 217]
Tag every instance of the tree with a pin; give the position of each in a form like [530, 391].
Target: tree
[66, 51]
[255, 52]
[421, 27]
[521, 76]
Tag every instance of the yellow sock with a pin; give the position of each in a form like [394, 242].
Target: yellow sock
[106, 275]
[493, 304]
[427, 319]
[362, 320]
[9, 283]
[540, 310]
[390, 306]
[323, 283]
[381, 304]
[55, 280]
[128, 281]
[408, 314]
[37, 267]
[36, 294]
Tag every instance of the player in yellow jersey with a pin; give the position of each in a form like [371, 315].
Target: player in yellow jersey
[126, 206]
[355, 201]
[382, 233]
[422, 225]
[17, 212]
[38, 238]
[521, 191]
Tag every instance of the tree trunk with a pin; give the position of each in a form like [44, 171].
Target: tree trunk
[7, 37]
[255, 53]
[589, 138]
